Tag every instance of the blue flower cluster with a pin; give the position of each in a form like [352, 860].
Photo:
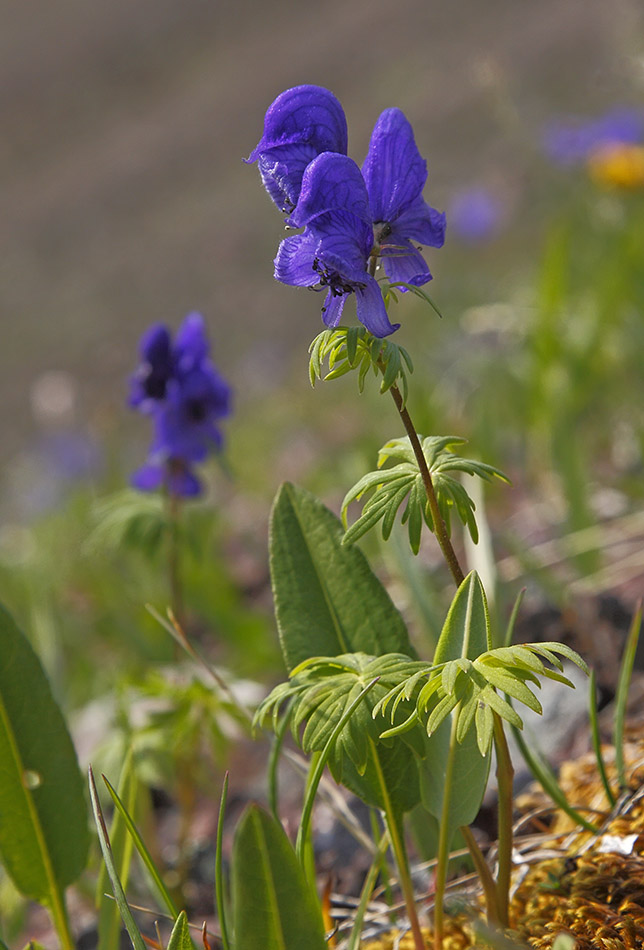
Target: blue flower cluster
[573, 141]
[177, 385]
[352, 218]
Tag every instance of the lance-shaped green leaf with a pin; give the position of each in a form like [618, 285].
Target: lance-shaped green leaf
[327, 599]
[180, 936]
[275, 908]
[43, 816]
[454, 774]
[388, 488]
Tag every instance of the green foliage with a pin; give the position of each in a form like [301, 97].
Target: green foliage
[320, 588]
[349, 348]
[471, 685]
[391, 486]
[43, 831]
[117, 888]
[318, 694]
[130, 519]
[274, 906]
[180, 937]
[109, 920]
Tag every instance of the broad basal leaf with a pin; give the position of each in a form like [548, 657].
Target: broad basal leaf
[43, 816]
[274, 906]
[327, 599]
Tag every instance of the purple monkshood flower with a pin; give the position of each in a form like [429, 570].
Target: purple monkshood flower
[351, 218]
[179, 387]
[301, 123]
[573, 141]
[333, 251]
[395, 174]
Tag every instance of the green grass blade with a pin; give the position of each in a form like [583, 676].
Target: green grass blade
[119, 895]
[109, 917]
[146, 857]
[596, 741]
[625, 673]
[274, 760]
[219, 868]
[548, 781]
[316, 775]
[367, 890]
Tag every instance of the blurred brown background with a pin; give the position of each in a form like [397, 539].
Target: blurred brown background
[124, 198]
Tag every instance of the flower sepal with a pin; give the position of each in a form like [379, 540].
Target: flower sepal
[353, 348]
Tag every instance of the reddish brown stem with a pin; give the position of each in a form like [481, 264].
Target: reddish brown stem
[440, 529]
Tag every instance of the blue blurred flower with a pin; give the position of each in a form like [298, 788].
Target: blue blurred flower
[395, 175]
[475, 215]
[301, 123]
[573, 141]
[334, 249]
[178, 385]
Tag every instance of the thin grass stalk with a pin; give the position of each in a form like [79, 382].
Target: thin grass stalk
[400, 853]
[596, 739]
[504, 776]
[625, 673]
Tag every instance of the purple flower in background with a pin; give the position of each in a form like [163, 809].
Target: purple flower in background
[395, 174]
[333, 251]
[573, 141]
[475, 215]
[300, 124]
[178, 385]
[148, 384]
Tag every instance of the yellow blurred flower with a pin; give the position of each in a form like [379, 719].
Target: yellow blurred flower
[617, 165]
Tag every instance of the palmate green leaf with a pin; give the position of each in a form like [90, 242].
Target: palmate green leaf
[274, 906]
[320, 692]
[44, 836]
[388, 489]
[465, 688]
[349, 348]
[454, 774]
[327, 599]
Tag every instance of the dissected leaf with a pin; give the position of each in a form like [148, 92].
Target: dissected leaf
[180, 937]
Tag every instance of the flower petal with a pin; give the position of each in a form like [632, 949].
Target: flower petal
[191, 344]
[371, 310]
[148, 478]
[300, 124]
[331, 182]
[344, 243]
[394, 170]
[304, 114]
[281, 170]
[402, 261]
[294, 260]
[332, 309]
[421, 223]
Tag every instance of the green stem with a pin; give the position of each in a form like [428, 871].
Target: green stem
[400, 854]
[440, 529]
[504, 777]
[174, 561]
[444, 840]
[484, 873]
[58, 912]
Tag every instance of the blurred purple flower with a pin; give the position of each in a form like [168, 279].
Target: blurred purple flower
[395, 175]
[474, 215]
[178, 385]
[301, 123]
[333, 251]
[573, 141]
